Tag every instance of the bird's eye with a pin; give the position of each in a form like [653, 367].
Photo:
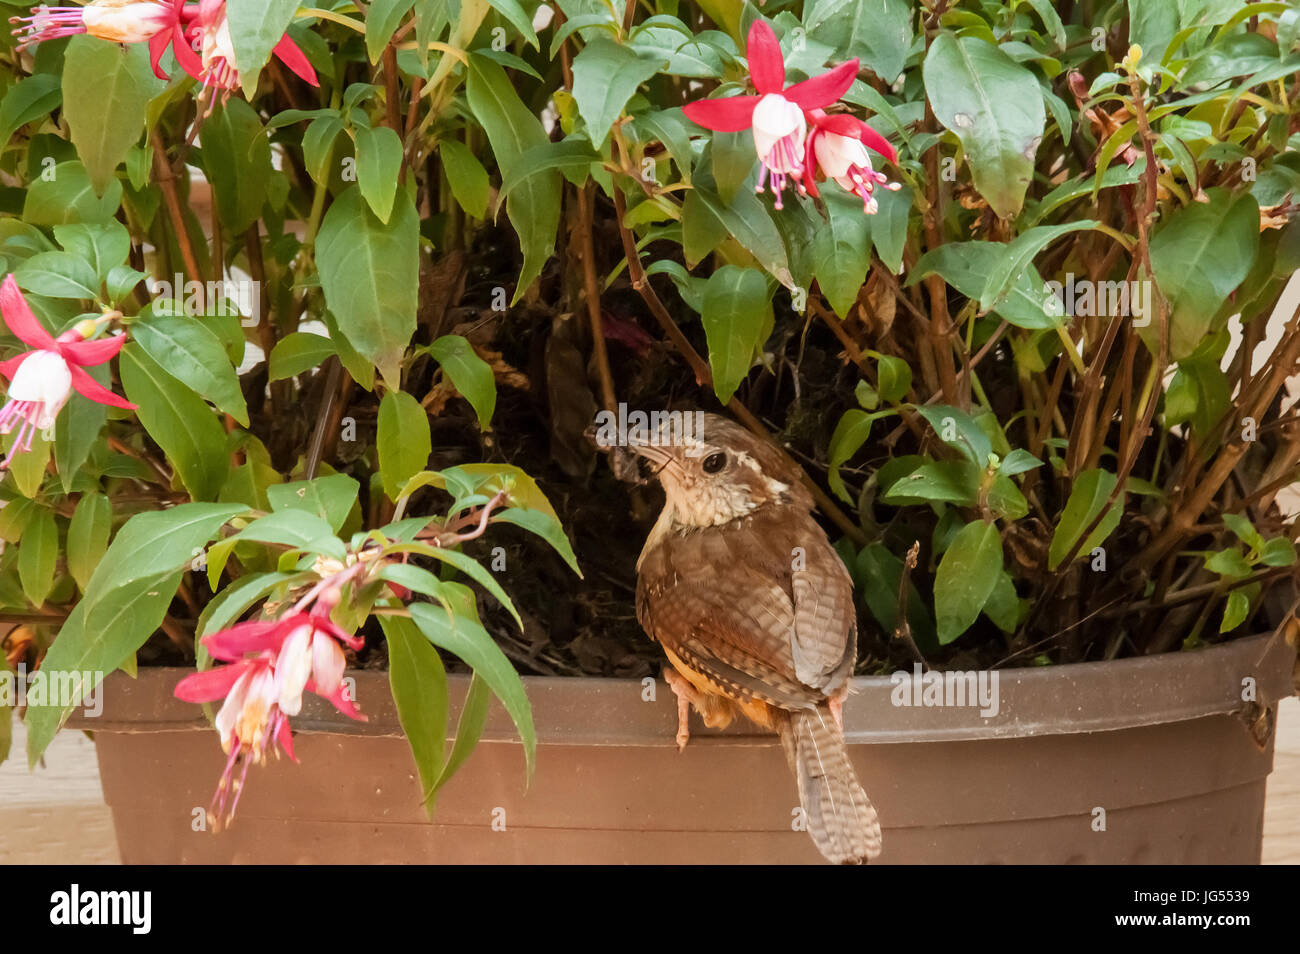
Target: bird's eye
[714, 463]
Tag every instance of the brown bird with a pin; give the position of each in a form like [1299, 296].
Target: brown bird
[755, 613]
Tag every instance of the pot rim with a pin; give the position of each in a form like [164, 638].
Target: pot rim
[1107, 696]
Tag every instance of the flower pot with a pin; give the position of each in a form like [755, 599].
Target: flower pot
[1139, 760]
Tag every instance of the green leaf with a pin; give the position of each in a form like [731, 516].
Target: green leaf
[966, 267]
[995, 108]
[88, 536]
[1236, 609]
[1200, 254]
[966, 578]
[466, 176]
[404, 443]
[469, 728]
[256, 26]
[382, 20]
[878, 32]
[193, 355]
[37, 555]
[889, 225]
[1017, 462]
[318, 146]
[418, 682]
[1278, 552]
[104, 246]
[34, 98]
[1091, 490]
[878, 573]
[1244, 530]
[1228, 563]
[959, 430]
[842, 252]
[731, 159]
[471, 375]
[370, 274]
[78, 429]
[330, 498]
[237, 161]
[737, 318]
[545, 525]
[14, 518]
[58, 275]
[573, 157]
[747, 220]
[1018, 255]
[296, 529]
[951, 481]
[512, 129]
[28, 467]
[125, 601]
[895, 376]
[466, 638]
[1003, 606]
[179, 421]
[519, 18]
[474, 570]
[298, 352]
[106, 88]
[379, 160]
[69, 196]
[851, 432]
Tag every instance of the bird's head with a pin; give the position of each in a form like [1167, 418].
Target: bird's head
[713, 471]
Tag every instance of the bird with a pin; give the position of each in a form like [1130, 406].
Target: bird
[754, 611]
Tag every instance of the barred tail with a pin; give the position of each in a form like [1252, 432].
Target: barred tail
[841, 819]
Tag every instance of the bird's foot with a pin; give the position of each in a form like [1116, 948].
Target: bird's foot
[686, 695]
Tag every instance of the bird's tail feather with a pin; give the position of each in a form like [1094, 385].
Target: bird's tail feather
[841, 819]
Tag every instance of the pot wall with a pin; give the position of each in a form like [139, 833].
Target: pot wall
[1165, 753]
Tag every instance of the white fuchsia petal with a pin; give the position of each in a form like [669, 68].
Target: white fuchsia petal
[293, 668]
[776, 121]
[125, 21]
[44, 380]
[328, 662]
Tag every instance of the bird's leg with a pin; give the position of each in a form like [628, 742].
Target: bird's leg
[836, 705]
[686, 695]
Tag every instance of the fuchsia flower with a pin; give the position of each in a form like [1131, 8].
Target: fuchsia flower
[42, 380]
[214, 67]
[272, 662]
[198, 33]
[121, 21]
[837, 147]
[780, 116]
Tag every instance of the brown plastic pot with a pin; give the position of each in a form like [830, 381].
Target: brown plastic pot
[1161, 745]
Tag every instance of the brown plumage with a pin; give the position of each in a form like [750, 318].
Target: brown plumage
[755, 613]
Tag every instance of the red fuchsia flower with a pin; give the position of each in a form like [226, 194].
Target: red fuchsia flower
[837, 148]
[41, 381]
[214, 66]
[121, 21]
[271, 663]
[777, 113]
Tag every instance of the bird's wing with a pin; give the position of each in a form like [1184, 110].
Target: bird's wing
[708, 598]
[825, 645]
